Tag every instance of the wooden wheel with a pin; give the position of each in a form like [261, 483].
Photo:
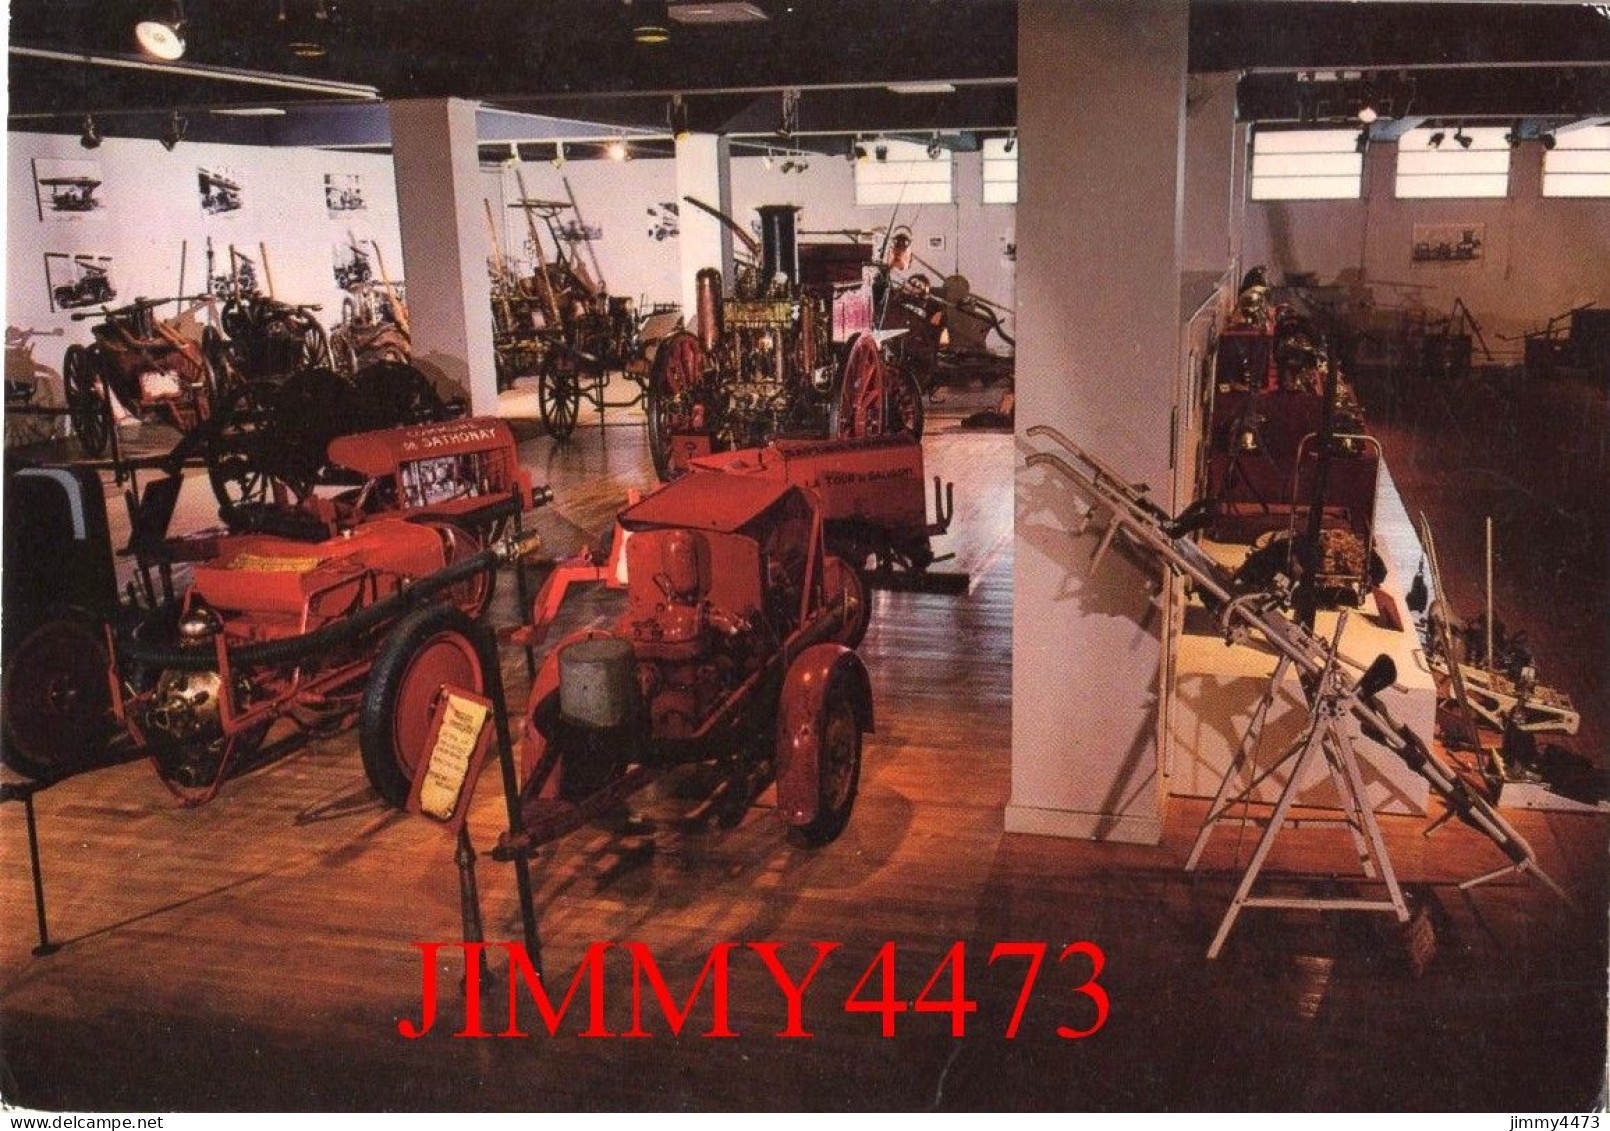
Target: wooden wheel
[559, 392]
[87, 404]
[677, 373]
[874, 398]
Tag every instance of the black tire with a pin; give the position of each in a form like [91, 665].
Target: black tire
[87, 406]
[56, 703]
[429, 647]
[858, 608]
[559, 394]
[839, 771]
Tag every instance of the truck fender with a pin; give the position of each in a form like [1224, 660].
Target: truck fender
[800, 720]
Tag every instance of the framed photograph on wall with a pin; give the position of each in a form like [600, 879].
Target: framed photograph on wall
[67, 190]
[1448, 243]
[74, 280]
[220, 189]
[343, 193]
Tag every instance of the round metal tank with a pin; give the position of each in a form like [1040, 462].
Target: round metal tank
[597, 684]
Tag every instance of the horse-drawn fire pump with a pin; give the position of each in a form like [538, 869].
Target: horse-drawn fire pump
[560, 323]
[144, 364]
[307, 613]
[765, 361]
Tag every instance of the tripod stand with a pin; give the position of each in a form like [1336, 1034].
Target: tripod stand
[1326, 737]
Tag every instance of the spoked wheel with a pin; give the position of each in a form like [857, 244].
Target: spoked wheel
[56, 708]
[315, 345]
[678, 370]
[838, 767]
[431, 649]
[87, 406]
[840, 577]
[559, 392]
[474, 593]
[237, 467]
[343, 355]
[222, 373]
[874, 399]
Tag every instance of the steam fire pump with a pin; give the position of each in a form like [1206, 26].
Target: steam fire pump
[763, 363]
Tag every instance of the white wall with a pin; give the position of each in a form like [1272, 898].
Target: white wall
[1542, 256]
[616, 196]
[151, 206]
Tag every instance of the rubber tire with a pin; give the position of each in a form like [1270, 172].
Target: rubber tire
[678, 349]
[836, 791]
[52, 740]
[397, 696]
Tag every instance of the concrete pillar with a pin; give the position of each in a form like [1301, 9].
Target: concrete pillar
[703, 171]
[1101, 107]
[1210, 137]
[444, 245]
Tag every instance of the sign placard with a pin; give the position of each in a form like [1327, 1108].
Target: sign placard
[444, 778]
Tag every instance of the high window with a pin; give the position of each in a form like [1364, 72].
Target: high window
[1579, 163]
[1306, 165]
[1000, 170]
[1460, 162]
[905, 174]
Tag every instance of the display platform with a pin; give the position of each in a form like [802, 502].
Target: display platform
[1218, 687]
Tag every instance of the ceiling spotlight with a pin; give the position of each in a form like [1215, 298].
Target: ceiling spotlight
[1363, 141]
[304, 30]
[1011, 143]
[651, 26]
[89, 138]
[160, 34]
[766, 160]
[558, 155]
[934, 149]
[1459, 136]
[857, 151]
[1367, 114]
[616, 150]
[173, 131]
[881, 152]
[1435, 140]
[1549, 140]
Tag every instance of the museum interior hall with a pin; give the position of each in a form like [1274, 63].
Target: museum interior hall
[805, 555]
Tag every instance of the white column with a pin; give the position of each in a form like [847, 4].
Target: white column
[703, 171]
[1101, 106]
[444, 245]
[1210, 137]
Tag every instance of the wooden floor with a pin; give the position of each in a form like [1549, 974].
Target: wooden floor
[256, 952]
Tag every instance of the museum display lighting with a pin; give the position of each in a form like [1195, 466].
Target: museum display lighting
[161, 33]
[1011, 143]
[1435, 140]
[934, 148]
[617, 151]
[1459, 136]
[558, 155]
[650, 26]
[677, 116]
[90, 138]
